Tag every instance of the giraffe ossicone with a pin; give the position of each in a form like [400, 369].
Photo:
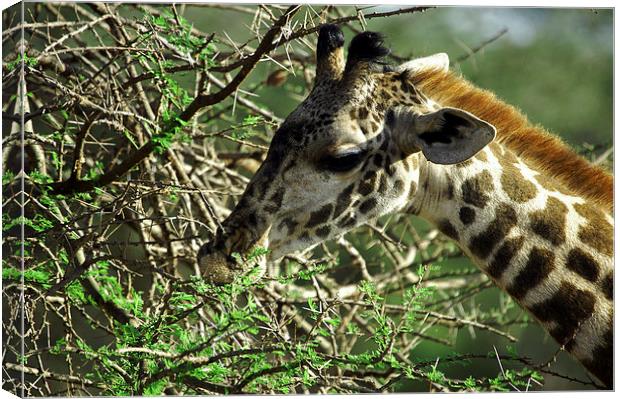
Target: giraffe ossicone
[371, 140]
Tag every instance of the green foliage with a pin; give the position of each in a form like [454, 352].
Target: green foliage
[36, 275]
[174, 98]
[7, 177]
[304, 274]
[112, 290]
[436, 376]
[245, 129]
[75, 292]
[180, 35]
[27, 60]
[95, 171]
[39, 223]
[213, 359]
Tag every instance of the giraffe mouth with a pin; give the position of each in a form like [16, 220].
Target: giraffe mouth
[226, 258]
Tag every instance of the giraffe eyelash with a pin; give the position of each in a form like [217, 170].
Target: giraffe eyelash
[342, 162]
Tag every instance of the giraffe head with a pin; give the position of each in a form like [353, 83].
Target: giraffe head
[349, 153]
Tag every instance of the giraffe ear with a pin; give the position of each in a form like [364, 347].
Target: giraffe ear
[439, 61]
[329, 53]
[446, 137]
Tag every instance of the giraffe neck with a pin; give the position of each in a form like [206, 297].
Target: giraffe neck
[549, 250]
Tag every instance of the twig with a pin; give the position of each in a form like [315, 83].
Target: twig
[482, 45]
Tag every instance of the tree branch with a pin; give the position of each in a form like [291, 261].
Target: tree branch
[74, 185]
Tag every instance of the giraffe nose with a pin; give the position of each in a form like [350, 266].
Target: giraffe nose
[217, 264]
[217, 267]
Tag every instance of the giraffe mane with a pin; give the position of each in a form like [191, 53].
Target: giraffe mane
[545, 151]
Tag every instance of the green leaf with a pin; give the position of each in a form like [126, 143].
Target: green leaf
[155, 388]
[76, 292]
[7, 177]
[160, 21]
[58, 347]
[129, 137]
[470, 382]
[312, 305]
[435, 375]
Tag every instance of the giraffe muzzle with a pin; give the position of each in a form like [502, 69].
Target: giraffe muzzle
[225, 258]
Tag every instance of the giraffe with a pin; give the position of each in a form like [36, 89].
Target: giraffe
[372, 139]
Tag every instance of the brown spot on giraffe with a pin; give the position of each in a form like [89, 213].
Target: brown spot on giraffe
[475, 189]
[399, 187]
[540, 264]
[344, 199]
[512, 180]
[482, 244]
[323, 231]
[550, 222]
[389, 165]
[607, 286]
[320, 216]
[277, 197]
[467, 215]
[413, 189]
[374, 126]
[367, 185]
[597, 232]
[449, 191]
[362, 113]
[383, 182]
[582, 264]
[347, 221]
[404, 163]
[368, 205]
[569, 306]
[448, 229]
[515, 185]
[503, 257]
[364, 129]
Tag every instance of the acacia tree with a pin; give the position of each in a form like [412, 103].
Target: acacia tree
[139, 130]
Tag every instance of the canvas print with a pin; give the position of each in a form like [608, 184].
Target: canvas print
[215, 199]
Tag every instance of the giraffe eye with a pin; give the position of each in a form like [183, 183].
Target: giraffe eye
[344, 161]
